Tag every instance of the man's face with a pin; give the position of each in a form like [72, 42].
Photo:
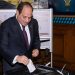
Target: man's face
[25, 16]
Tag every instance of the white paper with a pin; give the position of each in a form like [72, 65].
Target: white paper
[31, 66]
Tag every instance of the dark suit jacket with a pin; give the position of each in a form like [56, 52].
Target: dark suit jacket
[12, 41]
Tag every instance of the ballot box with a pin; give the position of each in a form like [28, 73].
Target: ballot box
[40, 70]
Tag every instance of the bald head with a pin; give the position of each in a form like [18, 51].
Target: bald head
[22, 5]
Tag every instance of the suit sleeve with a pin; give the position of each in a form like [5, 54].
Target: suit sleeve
[36, 39]
[7, 52]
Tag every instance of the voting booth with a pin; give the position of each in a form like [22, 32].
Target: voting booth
[44, 18]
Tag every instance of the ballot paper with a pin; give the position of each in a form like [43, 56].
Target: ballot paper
[31, 66]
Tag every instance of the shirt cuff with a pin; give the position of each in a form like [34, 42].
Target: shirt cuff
[14, 60]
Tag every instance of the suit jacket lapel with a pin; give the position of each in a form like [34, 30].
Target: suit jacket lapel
[19, 31]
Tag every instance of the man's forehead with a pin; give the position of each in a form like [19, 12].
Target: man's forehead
[27, 7]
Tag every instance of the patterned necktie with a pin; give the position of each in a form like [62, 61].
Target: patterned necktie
[25, 37]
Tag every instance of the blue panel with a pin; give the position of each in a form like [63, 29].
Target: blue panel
[59, 6]
[64, 20]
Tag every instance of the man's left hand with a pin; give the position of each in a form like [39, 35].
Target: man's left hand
[35, 52]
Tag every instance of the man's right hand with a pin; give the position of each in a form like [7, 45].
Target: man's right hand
[22, 59]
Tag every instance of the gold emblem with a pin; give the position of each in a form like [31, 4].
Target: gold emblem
[67, 3]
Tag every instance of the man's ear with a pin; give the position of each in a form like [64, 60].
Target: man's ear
[17, 13]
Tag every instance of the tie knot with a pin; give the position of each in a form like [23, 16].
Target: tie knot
[23, 27]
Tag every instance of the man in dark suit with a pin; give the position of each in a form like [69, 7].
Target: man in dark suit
[12, 43]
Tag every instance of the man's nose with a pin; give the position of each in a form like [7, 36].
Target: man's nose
[27, 19]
